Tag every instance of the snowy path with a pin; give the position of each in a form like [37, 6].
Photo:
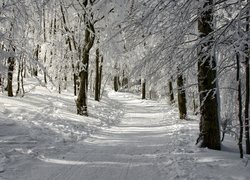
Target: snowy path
[149, 143]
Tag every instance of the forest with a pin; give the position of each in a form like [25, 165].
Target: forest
[109, 77]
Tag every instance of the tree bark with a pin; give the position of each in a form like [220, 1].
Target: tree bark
[44, 25]
[170, 89]
[11, 65]
[22, 77]
[143, 91]
[181, 97]
[246, 112]
[240, 105]
[195, 106]
[124, 80]
[100, 78]
[116, 83]
[36, 54]
[209, 121]
[44, 72]
[97, 76]
[75, 84]
[1, 80]
[18, 77]
[81, 101]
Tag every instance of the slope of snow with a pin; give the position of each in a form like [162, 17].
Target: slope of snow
[41, 138]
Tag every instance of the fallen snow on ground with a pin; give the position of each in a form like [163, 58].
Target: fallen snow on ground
[124, 138]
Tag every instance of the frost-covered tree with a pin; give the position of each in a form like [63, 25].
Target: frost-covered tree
[207, 85]
[199, 35]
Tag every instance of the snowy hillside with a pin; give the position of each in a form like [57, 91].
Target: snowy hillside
[124, 137]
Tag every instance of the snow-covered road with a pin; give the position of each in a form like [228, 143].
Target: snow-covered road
[148, 143]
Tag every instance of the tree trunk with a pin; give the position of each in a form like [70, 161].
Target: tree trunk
[181, 97]
[11, 63]
[143, 91]
[247, 49]
[35, 71]
[44, 72]
[1, 82]
[171, 93]
[44, 25]
[209, 121]
[240, 105]
[124, 80]
[116, 83]
[100, 78]
[65, 79]
[22, 76]
[91, 83]
[97, 76]
[24, 69]
[75, 84]
[81, 101]
[18, 77]
[1, 78]
[195, 106]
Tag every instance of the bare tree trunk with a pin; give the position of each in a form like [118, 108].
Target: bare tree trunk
[18, 77]
[75, 86]
[124, 80]
[1, 83]
[170, 89]
[11, 63]
[75, 69]
[97, 97]
[247, 49]
[11, 66]
[44, 25]
[181, 97]
[44, 72]
[209, 122]
[65, 80]
[116, 83]
[240, 105]
[143, 91]
[35, 71]
[100, 78]
[195, 106]
[1, 77]
[22, 76]
[24, 69]
[20, 85]
[81, 101]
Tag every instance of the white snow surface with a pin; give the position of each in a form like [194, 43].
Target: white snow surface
[124, 138]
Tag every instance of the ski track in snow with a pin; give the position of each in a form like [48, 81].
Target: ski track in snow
[128, 139]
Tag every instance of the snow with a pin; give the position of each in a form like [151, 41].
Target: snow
[42, 138]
